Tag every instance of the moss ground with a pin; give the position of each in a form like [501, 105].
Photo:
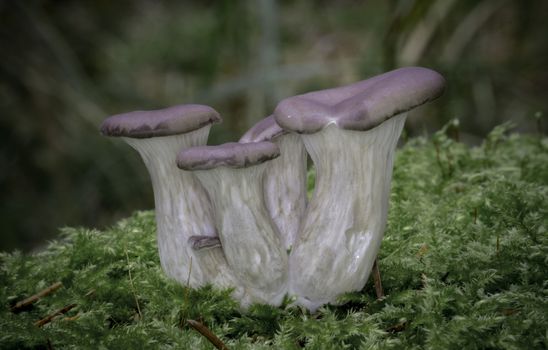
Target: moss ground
[464, 265]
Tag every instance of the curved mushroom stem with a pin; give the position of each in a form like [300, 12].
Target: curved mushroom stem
[250, 241]
[346, 216]
[182, 211]
[285, 187]
[285, 181]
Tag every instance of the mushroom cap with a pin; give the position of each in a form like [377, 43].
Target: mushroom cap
[363, 105]
[265, 130]
[232, 155]
[174, 120]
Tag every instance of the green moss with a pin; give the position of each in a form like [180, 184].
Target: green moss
[463, 264]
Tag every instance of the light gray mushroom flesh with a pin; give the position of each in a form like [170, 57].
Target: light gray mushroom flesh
[346, 216]
[285, 187]
[182, 206]
[285, 181]
[351, 134]
[250, 240]
[183, 211]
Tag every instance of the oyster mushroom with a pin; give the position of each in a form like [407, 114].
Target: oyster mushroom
[285, 181]
[232, 174]
[351, 134]
[183, 210]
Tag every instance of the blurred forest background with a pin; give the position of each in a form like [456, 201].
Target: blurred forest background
[66, 65]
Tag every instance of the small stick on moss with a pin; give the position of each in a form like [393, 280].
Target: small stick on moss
[133, 287]
[208, 334]
[399, 327]
[377, 279]
[90, 293]
[73, 318]
[32, 299]
[475, 216]
[50, 317]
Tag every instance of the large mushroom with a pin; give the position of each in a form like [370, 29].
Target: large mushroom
[183, 211]
[285, 181]
[233, 176]
[351, 134]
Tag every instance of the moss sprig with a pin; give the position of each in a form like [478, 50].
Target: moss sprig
[463, 265]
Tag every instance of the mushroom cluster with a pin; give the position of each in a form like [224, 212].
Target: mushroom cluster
[237, 215]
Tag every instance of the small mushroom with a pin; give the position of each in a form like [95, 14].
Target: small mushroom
[233, 176]
[183, 210]
[285, 181]
[351, 134]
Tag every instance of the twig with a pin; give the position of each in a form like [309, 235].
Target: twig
[32, 299]
[50, 317]
[90, 293]
[73, 318]
[133, 287]
[203, 330]
[398, 327]
[377, 279]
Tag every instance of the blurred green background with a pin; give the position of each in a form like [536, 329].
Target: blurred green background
[66, 65]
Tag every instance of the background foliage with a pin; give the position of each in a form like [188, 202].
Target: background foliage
[66, 65]
[463, 264]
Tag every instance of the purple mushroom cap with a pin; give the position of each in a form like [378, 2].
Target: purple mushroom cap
[174, 120]
[265, 130]
[363, 105]
[232, 155]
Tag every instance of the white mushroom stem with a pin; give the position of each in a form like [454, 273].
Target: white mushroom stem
[346, 216]
[182, 210]
[285, 187]
[249, 238]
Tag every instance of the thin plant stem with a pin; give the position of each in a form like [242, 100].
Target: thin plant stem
[186, 298]
[132, 286]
